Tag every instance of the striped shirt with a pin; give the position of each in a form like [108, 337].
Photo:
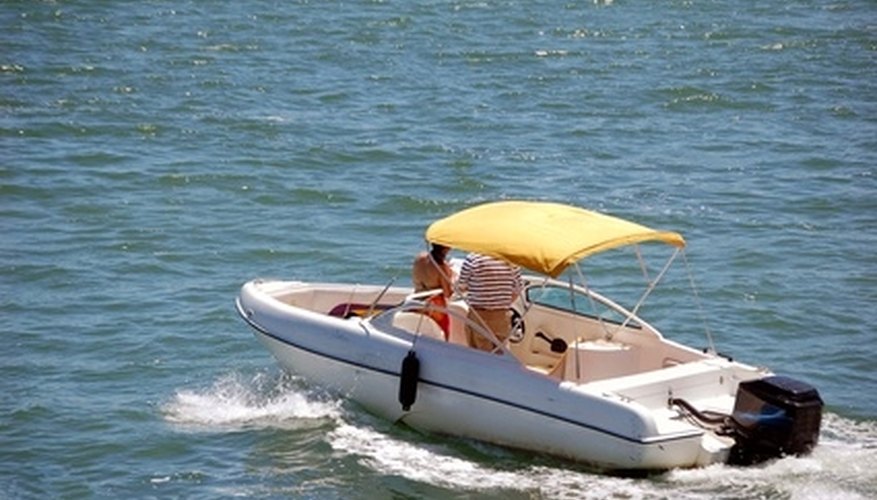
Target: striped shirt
[490, 283]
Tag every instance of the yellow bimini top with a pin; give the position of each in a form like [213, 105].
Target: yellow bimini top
[543, 237]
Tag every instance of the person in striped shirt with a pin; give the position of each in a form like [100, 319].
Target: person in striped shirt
[491, 287]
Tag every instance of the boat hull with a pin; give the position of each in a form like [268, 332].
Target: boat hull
[468, 393]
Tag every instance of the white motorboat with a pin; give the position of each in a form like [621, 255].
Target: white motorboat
[581, 377]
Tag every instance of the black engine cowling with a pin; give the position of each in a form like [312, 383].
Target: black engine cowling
[774, 416]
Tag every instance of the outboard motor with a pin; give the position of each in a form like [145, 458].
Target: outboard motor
[774, 416]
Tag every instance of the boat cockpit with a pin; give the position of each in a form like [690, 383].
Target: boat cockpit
[553, 332]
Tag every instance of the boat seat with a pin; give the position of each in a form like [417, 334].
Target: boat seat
[418, 324]
[350, 309]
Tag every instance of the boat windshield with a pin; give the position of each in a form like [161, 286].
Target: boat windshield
[563, 298]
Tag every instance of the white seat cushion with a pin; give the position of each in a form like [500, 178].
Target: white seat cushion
[418, 323]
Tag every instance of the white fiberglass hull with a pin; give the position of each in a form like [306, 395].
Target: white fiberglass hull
[468, 393]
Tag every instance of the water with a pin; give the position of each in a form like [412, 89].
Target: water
[156, 155]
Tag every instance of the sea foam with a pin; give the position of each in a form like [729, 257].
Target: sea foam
[236, 400]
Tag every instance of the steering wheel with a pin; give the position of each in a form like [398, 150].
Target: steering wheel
[518, 331]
